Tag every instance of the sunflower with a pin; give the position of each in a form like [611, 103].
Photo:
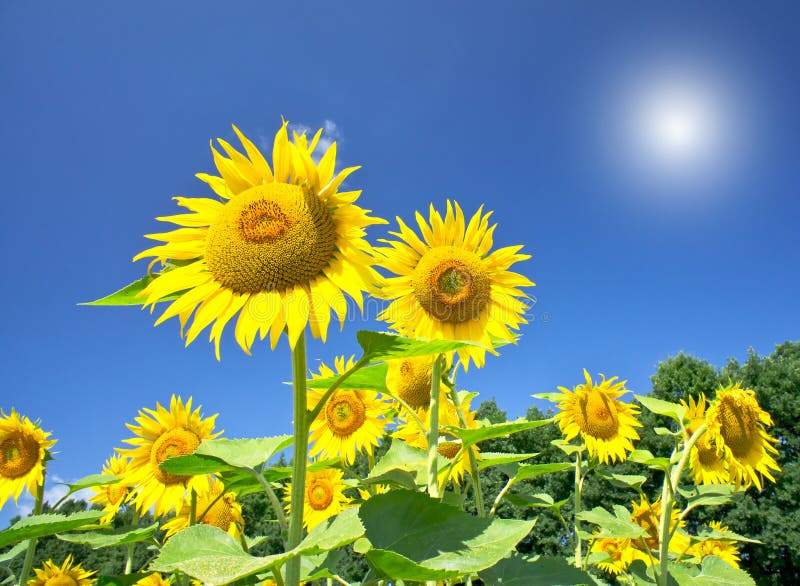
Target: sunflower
[410, 379]
[324, 497]
[727, 550]
[707, 465]
[648, 517]
[163, 434]
[112, 496]
[213, 507]
[737, 425]
[24, 448]
[448, 284]
[620, 553]
[604, 423]
[154, 579]
[351, 420]
[279, 247]
[64, 575]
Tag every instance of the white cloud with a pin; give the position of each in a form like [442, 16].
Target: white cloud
[55, 491]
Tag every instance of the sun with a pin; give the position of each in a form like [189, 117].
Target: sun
[279, 248]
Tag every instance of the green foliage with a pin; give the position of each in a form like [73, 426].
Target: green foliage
[518, 570]
[380, 346]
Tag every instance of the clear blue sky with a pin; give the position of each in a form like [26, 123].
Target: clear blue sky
[108, 110]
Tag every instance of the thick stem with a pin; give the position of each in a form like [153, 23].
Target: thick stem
[473, 460]
[578, 488]
[130, 547]
[301, 421]
[37, 510]
[433, 431]
[500, 496]
[193, 508]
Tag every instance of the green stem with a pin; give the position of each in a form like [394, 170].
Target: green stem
[273, 501]
[301, 422]
[276, 573]
[578, 488]
[500, 496]
[37, 510]
[193, 508]
[433, 431]
[130, 546]
[473, 460]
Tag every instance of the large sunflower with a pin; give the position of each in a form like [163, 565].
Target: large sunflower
[450, 286]
[66, 574]
[410, 380]
[279, 247]
[213, 507]
[728, 550]
[324, 497]
[737, 425]
[23, 450]
[163, 434]
[605, 424]
[620, 554]
[351, 420]
[707, 465]
[112, 496]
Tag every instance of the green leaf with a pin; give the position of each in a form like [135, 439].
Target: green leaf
[128, 295]
[659, 407]
[518, 570]
[708, 495]
[400, 456]
[617, 525]
[50, 524]
[646, 457]
[193, 464]
[566, 447]
[716, 535]
[121, 536]
[553, 397]
[18, 549]
[379, 346]
[244, 453]
[489, 459]
[487, 432]
[371, 378]
[90, 481]
[626, 480]
[395, 476]
[525, 499]
[527, 471]
[415, 537]
[713, 572]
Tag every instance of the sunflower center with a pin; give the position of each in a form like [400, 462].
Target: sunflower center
[345, 412]
[707, 455]
[270, 238]
[448, 449]
[61, 580]
[739, 426]
[597, 415]
[172, 443]
[451, 284]
[19, 453]
[320, 495]
[413, 383]
[222, 513]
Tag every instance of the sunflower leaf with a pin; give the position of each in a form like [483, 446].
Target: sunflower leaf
[527, 471]
[618, 525]
[91, 480]
[487, 432]
[660, 407]
[518, 570]
[708, 495]
[50, 524]
[379, 346]
[12, 553]
[371, 378]
[121, 536]
[244, 453]
[490, 459]
[714, 571]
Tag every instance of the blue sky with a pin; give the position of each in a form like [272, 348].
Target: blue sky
[651, 233]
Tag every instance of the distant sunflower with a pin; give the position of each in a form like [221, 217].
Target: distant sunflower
[450, 286]
[214, 507]
[324, 497]
[23, 450]
[112, 496]
[279, 248]
[163, 434]
[154, 579]
[352, 419]
[605, 424]
[707, 465]
[737, 425]
[410, 379]
[620, 553]
[727, 550]
[66, 574]
[648, 517]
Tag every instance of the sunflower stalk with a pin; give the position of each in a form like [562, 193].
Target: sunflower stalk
[473, 460]
[433, 431]
[37, 510]
[301, 424]
[280, 516]
[578, 488]
[193, 508]
[130, 546]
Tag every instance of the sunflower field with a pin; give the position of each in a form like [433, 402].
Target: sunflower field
[388, 450]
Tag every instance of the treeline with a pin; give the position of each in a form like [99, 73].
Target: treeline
[771, 516]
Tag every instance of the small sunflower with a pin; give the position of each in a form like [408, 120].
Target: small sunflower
[620, 553]
[154, 579]
[604, 423]
[351, 420]
[737, 425]
[410, 379]
[163, 434]
[112, 496]
[727, 550]
[324, 497]
[280, 247]
[66, 574]
[214, 507]
[648, 516]
[23, 451]
[450, 286]
[707, 465]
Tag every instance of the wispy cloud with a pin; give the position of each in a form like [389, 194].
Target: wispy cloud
[330, 133]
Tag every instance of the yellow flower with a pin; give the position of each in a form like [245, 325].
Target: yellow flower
[727, 550]
[64, 575]
[324, 497]
[648, 516]
[449, 286]
[707, 465]
[351, 420]
[737, 425]
[23, 449]
[154, 579]
[410, 379]
[620, 553]
[279, 248]
[213, 507]
[163, 434]
[112, 496]
[604, 423]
